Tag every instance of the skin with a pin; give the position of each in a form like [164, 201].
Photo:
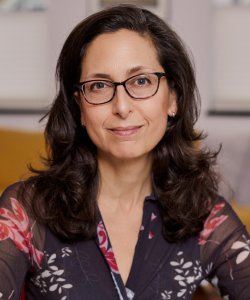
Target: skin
[125, 131]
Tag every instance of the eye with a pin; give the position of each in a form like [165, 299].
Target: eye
[97, 85]
[142, 81]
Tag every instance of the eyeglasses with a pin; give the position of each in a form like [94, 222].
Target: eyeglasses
[138, 87]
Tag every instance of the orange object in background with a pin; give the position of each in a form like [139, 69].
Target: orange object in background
[17, 150]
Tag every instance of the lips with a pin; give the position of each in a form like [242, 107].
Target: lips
[125, 131]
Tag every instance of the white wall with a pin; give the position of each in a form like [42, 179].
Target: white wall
[194, 21]
[231, 61]
[24, 55]
[55, 24]
[63, 17]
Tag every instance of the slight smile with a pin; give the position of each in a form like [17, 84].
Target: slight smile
[125, 131]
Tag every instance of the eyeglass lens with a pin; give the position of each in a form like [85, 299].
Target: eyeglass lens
[138, 87]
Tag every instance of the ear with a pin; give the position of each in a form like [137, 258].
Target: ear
[172, 108]
[77, 97]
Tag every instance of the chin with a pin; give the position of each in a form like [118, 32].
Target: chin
[125, 152]
[130, 155]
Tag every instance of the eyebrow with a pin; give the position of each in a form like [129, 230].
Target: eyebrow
[136, 69]
[129, 72]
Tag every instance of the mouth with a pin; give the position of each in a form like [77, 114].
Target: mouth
[125, 131]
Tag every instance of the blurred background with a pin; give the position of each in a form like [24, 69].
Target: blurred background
[216, 33]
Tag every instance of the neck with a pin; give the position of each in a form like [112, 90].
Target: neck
[124, 184]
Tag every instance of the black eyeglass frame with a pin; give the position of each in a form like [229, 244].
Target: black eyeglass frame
[123, 83]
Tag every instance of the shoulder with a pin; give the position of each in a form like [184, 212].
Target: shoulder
[224, 249]
[222, 221]
[17, 198]
[19, 192]
[223, 232]
[17, 223]
[12, 191]
[14, 203]
[223, 212]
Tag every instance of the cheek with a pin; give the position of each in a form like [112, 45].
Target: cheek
[158, 117]
[160, 125]
[93, 121]
[158, 112]
[87, 116]
[157, 125]
[89, 121]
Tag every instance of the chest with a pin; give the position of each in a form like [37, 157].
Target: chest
[123, 233]
[89, 269]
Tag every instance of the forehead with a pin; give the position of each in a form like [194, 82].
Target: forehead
[120, 50]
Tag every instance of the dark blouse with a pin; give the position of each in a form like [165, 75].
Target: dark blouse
[33, 258]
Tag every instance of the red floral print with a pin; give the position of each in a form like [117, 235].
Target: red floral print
[15, 226]
[212, 223]
[106, 248]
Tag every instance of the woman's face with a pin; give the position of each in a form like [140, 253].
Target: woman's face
[125, 128]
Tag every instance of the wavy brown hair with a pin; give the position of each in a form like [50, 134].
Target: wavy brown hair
[64, 194]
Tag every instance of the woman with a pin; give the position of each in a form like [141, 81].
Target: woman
[123, 169]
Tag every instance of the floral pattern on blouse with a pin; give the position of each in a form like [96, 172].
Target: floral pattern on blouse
[106, 248]
[212, 223]
[87, 270]
[244, 246]
[51, 280]
[187, 274]
[15, 226]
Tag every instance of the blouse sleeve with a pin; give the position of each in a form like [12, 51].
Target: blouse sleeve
[21, 241]
[225, 252]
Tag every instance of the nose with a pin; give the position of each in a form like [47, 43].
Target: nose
[122, 102]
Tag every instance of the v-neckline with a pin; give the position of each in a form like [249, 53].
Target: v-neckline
[105, 245]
